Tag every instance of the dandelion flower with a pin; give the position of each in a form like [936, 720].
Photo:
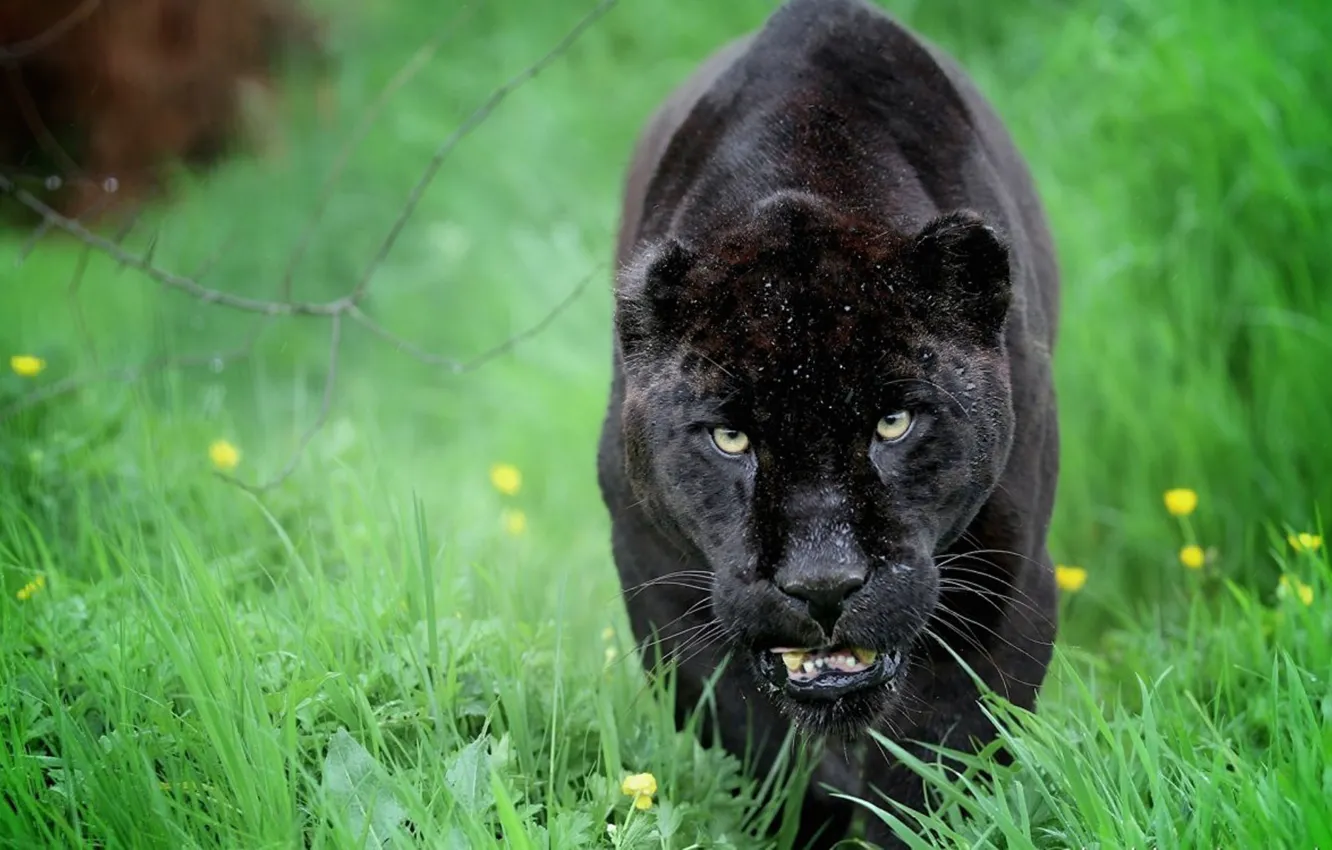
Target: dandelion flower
[515, 522]
[506, 478]
[640, 786]
[1305, 542]
[1192, 557]
[28, 590]
[1070, 578]
[26, 365]
[224, 455]
[1290, 584]
[1181, 501]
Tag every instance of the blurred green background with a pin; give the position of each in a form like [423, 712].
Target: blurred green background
[1182, 150]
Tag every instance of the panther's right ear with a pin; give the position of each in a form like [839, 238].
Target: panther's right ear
[649, 295]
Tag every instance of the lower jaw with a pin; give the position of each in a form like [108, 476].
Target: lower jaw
[846, 718]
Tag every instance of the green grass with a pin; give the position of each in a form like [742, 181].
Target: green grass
[181, 678]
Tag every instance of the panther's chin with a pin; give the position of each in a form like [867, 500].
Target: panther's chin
[835, 691]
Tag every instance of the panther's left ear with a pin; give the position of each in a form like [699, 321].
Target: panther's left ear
[964, 260]
[648, 295]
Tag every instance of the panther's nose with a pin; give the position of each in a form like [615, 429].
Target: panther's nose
[824, 593]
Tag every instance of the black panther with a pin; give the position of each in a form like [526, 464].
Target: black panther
[832, 416]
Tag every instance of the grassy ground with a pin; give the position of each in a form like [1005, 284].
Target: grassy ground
[178, 657]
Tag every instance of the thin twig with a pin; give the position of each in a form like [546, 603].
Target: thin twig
[126, 374]
[31, 117]
[468, 125]
[10, 53]
[347, 306]
[164, 277]
[410, 69]
[325, 405]
[210, 262]
[44, 227]
[76, 279]
[456, 366]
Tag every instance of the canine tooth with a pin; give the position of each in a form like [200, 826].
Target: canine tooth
[792, 660]
[866, 656]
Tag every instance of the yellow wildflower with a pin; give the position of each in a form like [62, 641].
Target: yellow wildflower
[506, 478]
[1305, 542]
[1290, 584]
[515, 521]
[607, 633]
[1070, 578]
[26, 365]
[640, 786]
[1181, 501]
[611, 654]
[27, 591]
[224, 455]
[1192, 557]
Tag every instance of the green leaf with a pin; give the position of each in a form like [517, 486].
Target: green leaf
[359, 786]
[468, 777]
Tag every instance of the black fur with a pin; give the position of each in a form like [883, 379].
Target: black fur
[824, 225]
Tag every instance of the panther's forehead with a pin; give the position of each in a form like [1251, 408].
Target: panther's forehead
[808, 315]
[803, 358]
[801, 300]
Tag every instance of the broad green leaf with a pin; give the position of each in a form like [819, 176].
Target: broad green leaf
[358, 785]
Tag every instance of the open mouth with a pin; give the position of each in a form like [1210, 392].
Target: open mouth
[829, 673]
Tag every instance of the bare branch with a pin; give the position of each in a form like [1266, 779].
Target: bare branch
[167, 278]
[76, 282]
[337, 310]
[23, 99]
[468, 125]
[210, 262]
[45, 227]
[401, 344]
[129, 374]
[10, 53]
[456, 366]
[325, 405]
[410, 69]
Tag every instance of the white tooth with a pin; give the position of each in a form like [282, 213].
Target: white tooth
[809, 667]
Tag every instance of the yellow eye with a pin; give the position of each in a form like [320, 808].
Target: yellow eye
[894, 426]
[730, 441]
